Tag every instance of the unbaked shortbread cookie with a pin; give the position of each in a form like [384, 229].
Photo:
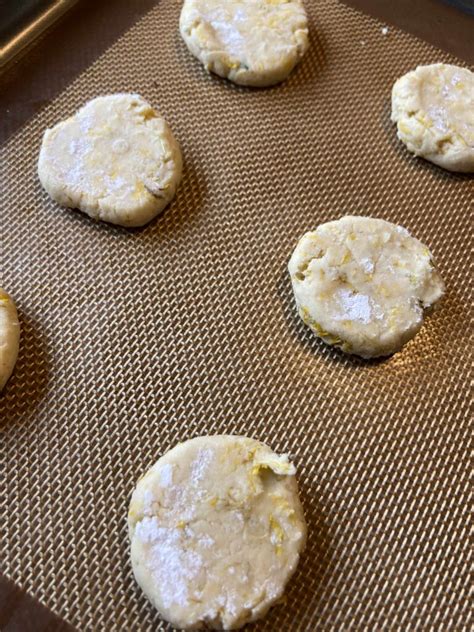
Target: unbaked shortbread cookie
[433, 107]
[115, 159]
[250, 42]
[9, 337]
[216, 529]
[362, 284]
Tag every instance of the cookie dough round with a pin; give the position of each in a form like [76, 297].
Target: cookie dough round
[362, 284]
[250, 42]
[115, 159]
[9, 337]
[216, 529]
[433, 107]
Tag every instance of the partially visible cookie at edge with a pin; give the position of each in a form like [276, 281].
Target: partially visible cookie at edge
[433, 107]
[9, 337]
[250, 42]
[216, 530]
[116, 159]
[363, 284]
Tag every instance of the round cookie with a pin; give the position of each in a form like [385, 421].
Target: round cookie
[250, 42]
[9, 337]
[362, 284]
[433, 107]
[216, 530]
[115, 159]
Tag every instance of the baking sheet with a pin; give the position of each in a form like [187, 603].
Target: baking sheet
[21, 23]
[135, 339]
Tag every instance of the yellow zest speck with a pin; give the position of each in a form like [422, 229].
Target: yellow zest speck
[283, 505]
[404, 129]
[139, 190]
[250, 455]
[322, 333]
[277, 531]
[424, 120]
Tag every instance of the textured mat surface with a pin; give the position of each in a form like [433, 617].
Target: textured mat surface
[133, 340]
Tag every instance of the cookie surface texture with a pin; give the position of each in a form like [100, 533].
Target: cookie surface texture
[9, 337]
[216, 529]
[362, 284]
[251, 42]
[433, 107]
[115, 159]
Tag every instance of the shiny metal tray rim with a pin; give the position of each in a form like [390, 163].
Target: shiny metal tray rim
[30, 31]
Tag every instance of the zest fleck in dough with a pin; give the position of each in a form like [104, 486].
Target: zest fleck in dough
[216, 529]
[9, 337]
[362, 284]
[433, 107]
[115, 159]
[250, 42]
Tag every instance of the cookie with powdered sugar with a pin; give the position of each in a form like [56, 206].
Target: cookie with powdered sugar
[433, 107]
[363, 284]
[250, 42]
[216, 529]
[9, 337]
[116, 159]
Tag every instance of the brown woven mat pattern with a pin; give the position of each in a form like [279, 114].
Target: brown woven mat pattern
[133, 340]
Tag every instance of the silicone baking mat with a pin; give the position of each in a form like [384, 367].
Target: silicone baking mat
[133, 340]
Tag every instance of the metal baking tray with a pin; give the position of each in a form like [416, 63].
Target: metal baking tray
[133, 340]
[22, 22]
